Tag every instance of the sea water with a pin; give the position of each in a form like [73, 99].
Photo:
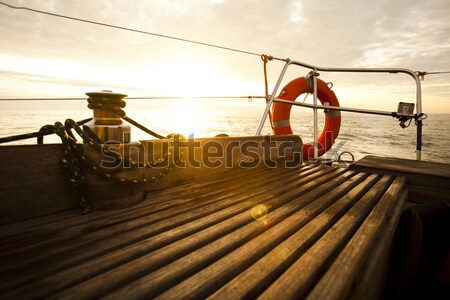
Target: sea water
[360, 134]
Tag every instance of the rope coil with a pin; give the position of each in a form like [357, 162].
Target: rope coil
[75, 157]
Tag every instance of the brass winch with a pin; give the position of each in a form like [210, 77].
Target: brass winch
[107, 125]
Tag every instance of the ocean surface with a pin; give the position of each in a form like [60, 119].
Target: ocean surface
[360, 134]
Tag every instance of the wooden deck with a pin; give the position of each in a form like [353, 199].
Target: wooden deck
[324, 236]
[426, 181]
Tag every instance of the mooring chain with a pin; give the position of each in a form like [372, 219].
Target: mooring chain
[71, 163]
[90, 138]
[113, 177]
[74, 157]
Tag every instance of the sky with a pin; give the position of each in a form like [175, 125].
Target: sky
[44, 56]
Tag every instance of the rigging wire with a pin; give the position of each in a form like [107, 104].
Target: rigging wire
[422, 74]
[434, 73]
[134, 30]
[136, 98]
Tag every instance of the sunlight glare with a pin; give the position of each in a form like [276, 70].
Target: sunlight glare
[187, 117]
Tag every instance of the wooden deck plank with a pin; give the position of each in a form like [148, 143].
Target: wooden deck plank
[404, 166]
[92, 222]
[327, 210]
[338, 280]
[184, 267]
[44, 236]
[223, 270]
[133, 275]
[425, 180]
[371, 282]
[109, 260]
[37, 193]
[18, 228]
[300, 278]
[69, 255]
[163, 201]
[72, 218]
[200, 239]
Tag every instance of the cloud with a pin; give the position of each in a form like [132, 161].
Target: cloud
[347, 33]
[37, 78]
[415, 37]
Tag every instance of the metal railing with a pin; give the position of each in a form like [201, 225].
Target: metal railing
[315, 107]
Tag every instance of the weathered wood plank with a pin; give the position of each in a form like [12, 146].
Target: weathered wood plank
[301, 277]
[234, 205]
[69, 228]
[92, 242]
[200, 239]
[174, 271]
[245, 244]
[20, 227]
[371, 281]
[340, 277]
[36, 179]
[163, 200]
[426, 181]
[404, 166]
[327, 210]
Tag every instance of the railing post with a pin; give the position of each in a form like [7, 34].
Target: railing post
[419, 139]
[419, 114]
[272, 97]
[316, 149]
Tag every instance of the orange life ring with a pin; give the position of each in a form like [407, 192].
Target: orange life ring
[281, 113]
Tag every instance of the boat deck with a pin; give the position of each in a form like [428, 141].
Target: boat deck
[311, 232]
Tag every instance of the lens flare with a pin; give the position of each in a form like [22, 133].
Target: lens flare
[259, 212]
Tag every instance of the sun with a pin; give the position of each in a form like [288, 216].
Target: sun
[189, 117]
[188, 76]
